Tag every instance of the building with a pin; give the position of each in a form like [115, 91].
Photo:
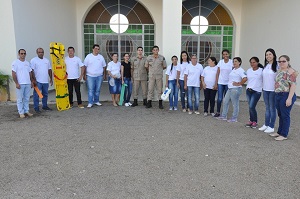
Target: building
[246, 27]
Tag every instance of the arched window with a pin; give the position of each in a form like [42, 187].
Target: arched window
[207, 29]
[118, 26]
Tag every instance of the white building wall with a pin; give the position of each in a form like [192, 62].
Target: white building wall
[271, 24]
[8, 43]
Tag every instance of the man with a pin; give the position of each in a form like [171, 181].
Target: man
[95, 68]
[22, 76]
[73, 63]
[42, 72]
[155, 63]
[139, 74]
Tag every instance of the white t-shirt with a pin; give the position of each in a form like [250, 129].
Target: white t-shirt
[73, 64]
[94, 65]
[181, 68]
[269, 78]
[209, 74]
[40, 68]
[172, 74]
[225, 69]
[22, 69]
[193, 74]
[236, 75]
[114, 68]
[255, 79]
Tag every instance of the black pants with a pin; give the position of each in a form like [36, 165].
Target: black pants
[74, 83]
[209, 98]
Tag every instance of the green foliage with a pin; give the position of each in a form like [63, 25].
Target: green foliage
[4, 79]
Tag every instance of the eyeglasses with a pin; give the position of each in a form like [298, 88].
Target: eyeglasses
[97, 48]
[281, 61]
[40, 52]
[22, 53]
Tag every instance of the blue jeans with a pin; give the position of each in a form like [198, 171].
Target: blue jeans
[270, 115]
[183, 93]
[94, 85]
[43, 87]
[173, 97]
[128, 89]
[196, 91]
[283, 112]
[252, 98]
[233, 95]
[222, 89]
[23, 95]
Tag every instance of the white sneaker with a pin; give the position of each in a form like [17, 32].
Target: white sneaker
[205, 114]
[264, 127]
[171, 109]
[175, 109]
[89, 105]
[269, 130]
[126, 104]
[129, 104]
[212, 114]
[98, 104]
[197, 112]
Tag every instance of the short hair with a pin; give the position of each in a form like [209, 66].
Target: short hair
[114, 54]
[155, 47]
[39, 48]
[139, 48]
[96, 45]
[125, 54]
[225, 50]
[20, 50]
[71, 48]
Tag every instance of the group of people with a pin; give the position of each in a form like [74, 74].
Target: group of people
[276, 79]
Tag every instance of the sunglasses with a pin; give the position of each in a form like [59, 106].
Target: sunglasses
[22, 53]
[281, 61]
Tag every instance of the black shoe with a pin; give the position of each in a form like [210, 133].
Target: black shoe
[134, 103]
[47, 108]
[37, 111]
[145, 102]
[160, 105]
[217, 115]
[149, 104]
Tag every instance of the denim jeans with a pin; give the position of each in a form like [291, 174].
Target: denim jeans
[44, 90]
[183, 93]
[94, 85]
[23, 95]
[196, 91]
[283, 112]
[270, 115]
[209, 99]
[252, 98]
[233, 95]
[128, 89]
[173, 97]
[74, 83]
[222, 89]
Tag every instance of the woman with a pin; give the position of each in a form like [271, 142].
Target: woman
[254, 89]
[114, 79]
[237, 78]
[285, 86]
[224, 68]
[171, 75]
[184, 62]
[192, 76]
[208, 79]
[269, 75]
[126, 79]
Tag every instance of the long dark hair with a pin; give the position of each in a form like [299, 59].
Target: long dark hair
[174, 56]
[274, 64]
[214, 60]
[239, 59]
[257, 60]
[187, 59]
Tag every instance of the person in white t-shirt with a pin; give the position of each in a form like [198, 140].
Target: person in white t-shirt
[73, 63]
[225, 66]
[95, 74]
[171, 83]
[114, 79]
[42, 73]
[269, 76]
[210, 88]
[184, 62]
[22, 76]
[237, 78]
[254, 89]
[192, 83]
